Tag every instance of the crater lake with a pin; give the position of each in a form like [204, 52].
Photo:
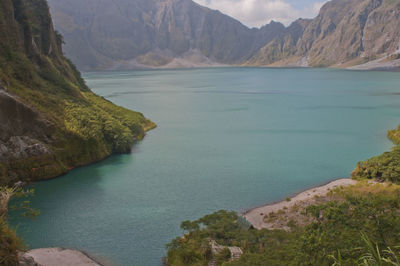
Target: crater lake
[227, 138]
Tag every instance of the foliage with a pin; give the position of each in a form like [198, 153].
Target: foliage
[373, 256]
[10, 244]
[385, 167]
[370, 209]
[223, 256]
[394, 135]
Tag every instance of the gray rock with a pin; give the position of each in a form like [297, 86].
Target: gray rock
[18, 119]
[26, 260]
[25, 146]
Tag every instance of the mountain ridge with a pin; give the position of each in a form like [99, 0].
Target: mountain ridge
[165, 28]
[151, 34]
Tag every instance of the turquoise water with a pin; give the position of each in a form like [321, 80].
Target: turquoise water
[228, 138]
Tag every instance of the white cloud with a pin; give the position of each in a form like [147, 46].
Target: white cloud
[255, 13]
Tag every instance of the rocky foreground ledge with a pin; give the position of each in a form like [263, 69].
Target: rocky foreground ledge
[56, 256]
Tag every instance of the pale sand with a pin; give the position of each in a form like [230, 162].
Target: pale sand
[60, 257]
[378, 64]
[256, 216]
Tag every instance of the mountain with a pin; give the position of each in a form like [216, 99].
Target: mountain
[102, 34]
[282, 47]
[50, 121]
[345, 33]
[126, 34]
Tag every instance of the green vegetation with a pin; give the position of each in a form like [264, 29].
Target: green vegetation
[223, 256]
[385, 167]
[337, 233]
[75, 125]
[10, 243]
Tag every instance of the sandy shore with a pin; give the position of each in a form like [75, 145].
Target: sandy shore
[378, 64]
[256, 216]
[60, 257]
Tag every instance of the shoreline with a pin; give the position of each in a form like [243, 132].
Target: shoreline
[147, 129]
[255, 216]
[58, 256]
[371, 69]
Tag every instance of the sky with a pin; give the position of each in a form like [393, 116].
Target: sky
[256, 13]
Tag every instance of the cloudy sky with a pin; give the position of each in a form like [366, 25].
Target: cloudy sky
[255, 13]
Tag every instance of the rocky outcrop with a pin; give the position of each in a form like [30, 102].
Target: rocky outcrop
[24, 134]
[236, 252]
[19, 147]
[19, 119]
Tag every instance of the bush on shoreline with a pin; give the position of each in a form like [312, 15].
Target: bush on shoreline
[384, 167]
[10, 243]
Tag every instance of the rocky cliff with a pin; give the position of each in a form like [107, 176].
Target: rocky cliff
[50, 121]
[160, 33]
[136, 33]
[345, 33]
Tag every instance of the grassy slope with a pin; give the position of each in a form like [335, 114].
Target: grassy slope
[83, 127]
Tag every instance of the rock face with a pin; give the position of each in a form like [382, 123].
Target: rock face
[141, 33]
[129, 33]
[50, 121]
[17, 118]
[345, 33]
[282, 47]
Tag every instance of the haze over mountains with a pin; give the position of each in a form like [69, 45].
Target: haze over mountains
[128, 34]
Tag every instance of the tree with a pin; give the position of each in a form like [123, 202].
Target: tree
[189, 226]
[10, 243]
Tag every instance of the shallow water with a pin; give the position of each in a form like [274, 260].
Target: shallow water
[227, 138]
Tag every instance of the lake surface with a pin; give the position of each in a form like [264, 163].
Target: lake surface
[227, 138]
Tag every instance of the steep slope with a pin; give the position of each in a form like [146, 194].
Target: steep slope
[50, 121]
[282, 46]
[126, 34]
[105, 34]
[345, 33]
